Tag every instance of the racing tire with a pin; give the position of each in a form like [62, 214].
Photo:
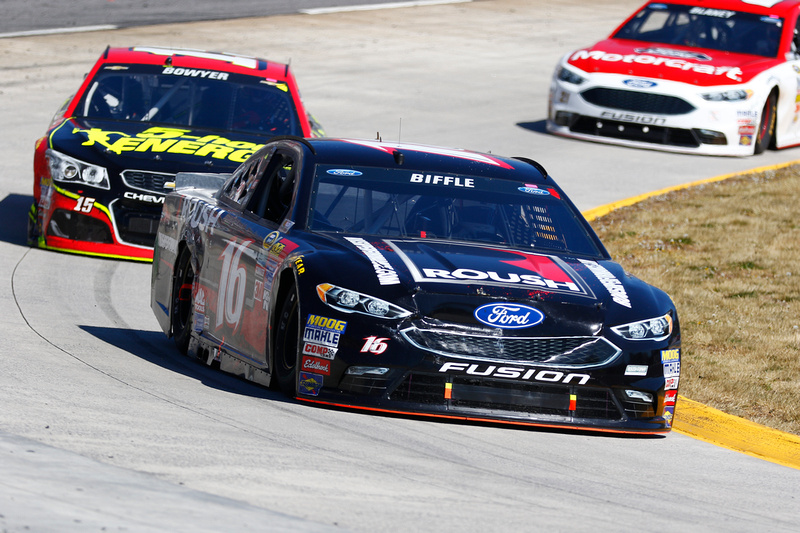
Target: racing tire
[183, 301]
[287, 345]
[766, 129]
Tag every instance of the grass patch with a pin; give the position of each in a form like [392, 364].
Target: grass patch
[729, 255]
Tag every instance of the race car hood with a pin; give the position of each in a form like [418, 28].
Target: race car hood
[695, 66]
[119, 145]
[449, 281]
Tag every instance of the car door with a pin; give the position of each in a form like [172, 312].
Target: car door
[248, 250]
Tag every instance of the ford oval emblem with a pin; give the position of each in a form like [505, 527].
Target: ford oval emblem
[640, 84]
[344, 172]
[508, 316]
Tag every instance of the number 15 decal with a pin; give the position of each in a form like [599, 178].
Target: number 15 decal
[84, 204]
[232, 282]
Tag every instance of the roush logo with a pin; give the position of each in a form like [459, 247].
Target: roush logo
[514, 372]
[508, 316]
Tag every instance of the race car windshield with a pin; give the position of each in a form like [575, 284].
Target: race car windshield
[142, 93]
[416, 204]
[702, 27]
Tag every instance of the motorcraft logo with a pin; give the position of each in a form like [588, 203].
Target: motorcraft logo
[508, 315]
[513, 372]
[176, 141]
[733, 73]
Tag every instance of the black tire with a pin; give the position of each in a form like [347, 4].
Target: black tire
[766, 129]
[287, 345]
[183, 301]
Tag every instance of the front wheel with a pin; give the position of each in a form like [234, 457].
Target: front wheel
[183, 301]
[287, 345]
[766, 128]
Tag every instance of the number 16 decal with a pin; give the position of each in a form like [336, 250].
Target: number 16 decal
[376, 345]
[232, 282]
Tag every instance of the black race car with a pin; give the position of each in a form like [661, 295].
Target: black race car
[141, 115]
[413, 279]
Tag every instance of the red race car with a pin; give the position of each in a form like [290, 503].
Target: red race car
[141, 115]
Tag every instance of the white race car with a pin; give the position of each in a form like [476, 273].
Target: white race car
[714, 77]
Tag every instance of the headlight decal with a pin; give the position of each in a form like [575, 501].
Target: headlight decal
[349, 301]
[67, 169]
[651, 329]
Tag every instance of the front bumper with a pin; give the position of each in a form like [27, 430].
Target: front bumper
[65, 221]
[672, 121]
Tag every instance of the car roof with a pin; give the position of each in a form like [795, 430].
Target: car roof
[385, 154]
[763, 7]
[200, 59]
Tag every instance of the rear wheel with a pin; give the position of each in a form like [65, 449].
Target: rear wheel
[766, 129]
[287, 343]
[183, 301]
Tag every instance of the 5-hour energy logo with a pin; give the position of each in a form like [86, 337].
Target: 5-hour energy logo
[170, 140]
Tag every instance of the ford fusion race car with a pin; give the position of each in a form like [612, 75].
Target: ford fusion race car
[715, 77]
[416, 280]
[141, 115]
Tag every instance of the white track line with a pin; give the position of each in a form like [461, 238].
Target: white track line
[371, 7]
[53, 31]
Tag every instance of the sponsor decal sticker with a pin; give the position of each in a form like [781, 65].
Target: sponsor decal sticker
[670, 397]
[671, 384]
[668, 356]
[159, 140]
[733, 73]
[319, 350]
[312, 364]
[310, 383]
[531, 188]
[508, 315]
[672, 370]
[669, 415]
[609, 281]
[343, 172]
[640, 84]
[384, 270]
[324, 331]
[513, 372]
[490, 266]
[636, 370]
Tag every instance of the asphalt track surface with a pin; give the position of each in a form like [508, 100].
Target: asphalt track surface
[104, 427]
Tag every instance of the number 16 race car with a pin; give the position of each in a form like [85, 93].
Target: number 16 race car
[411, 279]
[141, 115]
[714, 77]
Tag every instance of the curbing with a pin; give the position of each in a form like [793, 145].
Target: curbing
[706, 423]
